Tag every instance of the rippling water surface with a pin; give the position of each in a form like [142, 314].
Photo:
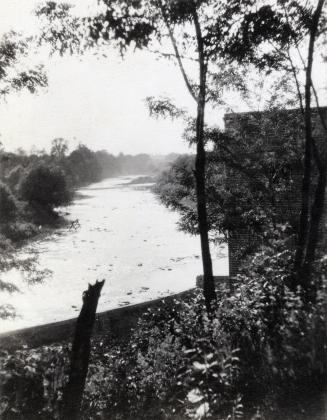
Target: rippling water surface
[125, 237]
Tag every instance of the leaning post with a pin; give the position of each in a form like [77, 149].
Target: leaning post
[80, 354]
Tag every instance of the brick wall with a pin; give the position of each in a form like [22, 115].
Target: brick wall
[248, 125]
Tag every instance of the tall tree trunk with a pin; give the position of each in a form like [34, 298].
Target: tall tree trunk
[200, 168]
[317, 213]
[306, 181]
[80, 355]
[200, 165]
[305, 219]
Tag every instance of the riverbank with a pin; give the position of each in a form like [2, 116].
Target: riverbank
[36, 223]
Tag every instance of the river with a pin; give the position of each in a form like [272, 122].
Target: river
[125, 237]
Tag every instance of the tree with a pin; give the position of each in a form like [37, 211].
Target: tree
[310, 223]
[209, 33]
[146, 23]
[84, 165]
[305, 24]
[46, 187]
[59, 148]
[250, 185]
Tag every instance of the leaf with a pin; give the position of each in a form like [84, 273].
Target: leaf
[195, 396]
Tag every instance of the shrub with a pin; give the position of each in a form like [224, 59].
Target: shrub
[19, 231]
[31, 383]
[46, 187]
[8, 207]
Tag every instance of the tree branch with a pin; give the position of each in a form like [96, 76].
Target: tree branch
[171, 55]
[323, 122]
[296, 81]
[177, 55]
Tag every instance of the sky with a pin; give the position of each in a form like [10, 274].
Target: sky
[95, 100]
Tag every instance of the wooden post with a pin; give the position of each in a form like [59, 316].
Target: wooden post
[80, 355]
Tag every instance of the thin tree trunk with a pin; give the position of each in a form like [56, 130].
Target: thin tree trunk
[304, 224]
[306, 181]
[200, 161]
[80, 355]
[200, 167]
[317, 212]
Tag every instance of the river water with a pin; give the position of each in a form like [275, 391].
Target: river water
[125, 237]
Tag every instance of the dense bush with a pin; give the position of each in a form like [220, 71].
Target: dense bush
[46, 187]
[31, 383]
[8, 207]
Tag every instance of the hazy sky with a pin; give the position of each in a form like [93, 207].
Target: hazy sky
[94, 100]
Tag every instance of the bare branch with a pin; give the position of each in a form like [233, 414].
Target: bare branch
[296, 81]
[178, 56]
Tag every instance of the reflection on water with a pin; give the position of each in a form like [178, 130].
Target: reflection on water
[126, 237]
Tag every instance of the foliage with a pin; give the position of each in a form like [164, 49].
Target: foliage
[86, 167]
[250, 182]
[176, 189]
[164, 107]
[15, 75]
[18, 231]
[203, 36]
[66, 30]
[26, 264]
[14, 177]
[31, 383]
[262, 341]
[8, 207]
[46, 187]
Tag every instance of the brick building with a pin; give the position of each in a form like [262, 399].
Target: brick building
[284, 128]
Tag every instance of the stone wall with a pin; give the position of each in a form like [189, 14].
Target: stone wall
[287, 126]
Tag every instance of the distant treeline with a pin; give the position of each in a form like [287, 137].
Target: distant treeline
[81, 166]
[33, 185]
